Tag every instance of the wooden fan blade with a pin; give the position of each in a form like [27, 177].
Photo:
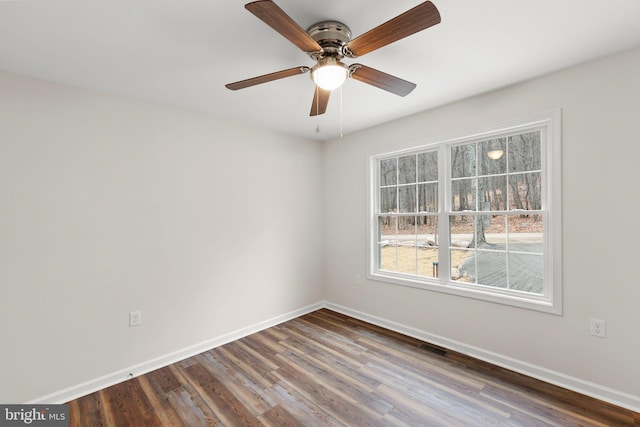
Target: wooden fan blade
[381, 80]
[267, 78]
[417, 19]
[271, 14]
[320, 101]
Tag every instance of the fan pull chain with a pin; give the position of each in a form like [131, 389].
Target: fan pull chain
[341, 121]
[317, 109]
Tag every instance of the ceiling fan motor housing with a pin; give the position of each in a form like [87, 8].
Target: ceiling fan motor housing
[332, 36]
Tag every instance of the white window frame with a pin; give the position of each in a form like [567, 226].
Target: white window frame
[550, 300]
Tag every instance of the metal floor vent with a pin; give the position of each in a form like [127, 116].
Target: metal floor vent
[433, 349]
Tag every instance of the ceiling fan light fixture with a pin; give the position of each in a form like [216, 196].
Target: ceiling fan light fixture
[329, 74]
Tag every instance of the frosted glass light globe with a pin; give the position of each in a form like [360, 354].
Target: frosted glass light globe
[329, 75]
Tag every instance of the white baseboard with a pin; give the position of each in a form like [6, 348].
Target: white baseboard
[113, 378]
[587, 388]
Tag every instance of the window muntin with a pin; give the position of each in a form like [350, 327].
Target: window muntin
[471, 216]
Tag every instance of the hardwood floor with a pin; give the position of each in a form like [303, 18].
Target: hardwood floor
[325, 368]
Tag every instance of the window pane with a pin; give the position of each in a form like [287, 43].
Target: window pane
[387, 243]
[407, 169]
[525, 191]
[492, 191]
[526, 272]
[459, 260]
[387, 229]
[407, 244]
[481, 267]
[407, 226]
[428, 197]
[463, 193]
[407, 199]
[428, 262]
[407, 258]
[493, 159]
[428, 166]
[491, 269]
[494, 228]
[388, 200]
[461, 230]
[427, 246]
[525, 153]
[427, 230]
[388, 172]
[525, 233]
[463, 161]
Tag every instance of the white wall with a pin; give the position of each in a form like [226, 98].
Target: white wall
[600, 104]
[109, 205]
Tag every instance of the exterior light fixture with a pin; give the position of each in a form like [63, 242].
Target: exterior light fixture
[495, 154]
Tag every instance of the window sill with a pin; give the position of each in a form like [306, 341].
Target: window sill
[518, 299]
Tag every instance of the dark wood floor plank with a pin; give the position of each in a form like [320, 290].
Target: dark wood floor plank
[411, 412]
[310, 346]
[226, 360]
[264, 343]
[419, 362]
[165, 379]
[338, 404]
[191, 408]
[74, 411]
[91, 409]
[390, 420]
[339, 344]
[251, 358]
[225, 404]
[606, 413]
[126, 404]
[522, 414]
[238, 356]
[247, 391]
[306, 411]
[543, 407]
[279, 417]
[107, 416]
[438, 398]
[160, 405]
[342, 336]
[341, 385]
[188, 399]
[328, 369]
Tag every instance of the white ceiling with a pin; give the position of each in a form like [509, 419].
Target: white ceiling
[182, 52]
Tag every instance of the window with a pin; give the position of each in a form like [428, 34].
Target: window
[477, 216]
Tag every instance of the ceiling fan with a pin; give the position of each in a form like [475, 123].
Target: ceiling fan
[328, 42]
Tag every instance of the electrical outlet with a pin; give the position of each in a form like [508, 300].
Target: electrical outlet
[358, 279]
[135, 318]
[598, 328]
